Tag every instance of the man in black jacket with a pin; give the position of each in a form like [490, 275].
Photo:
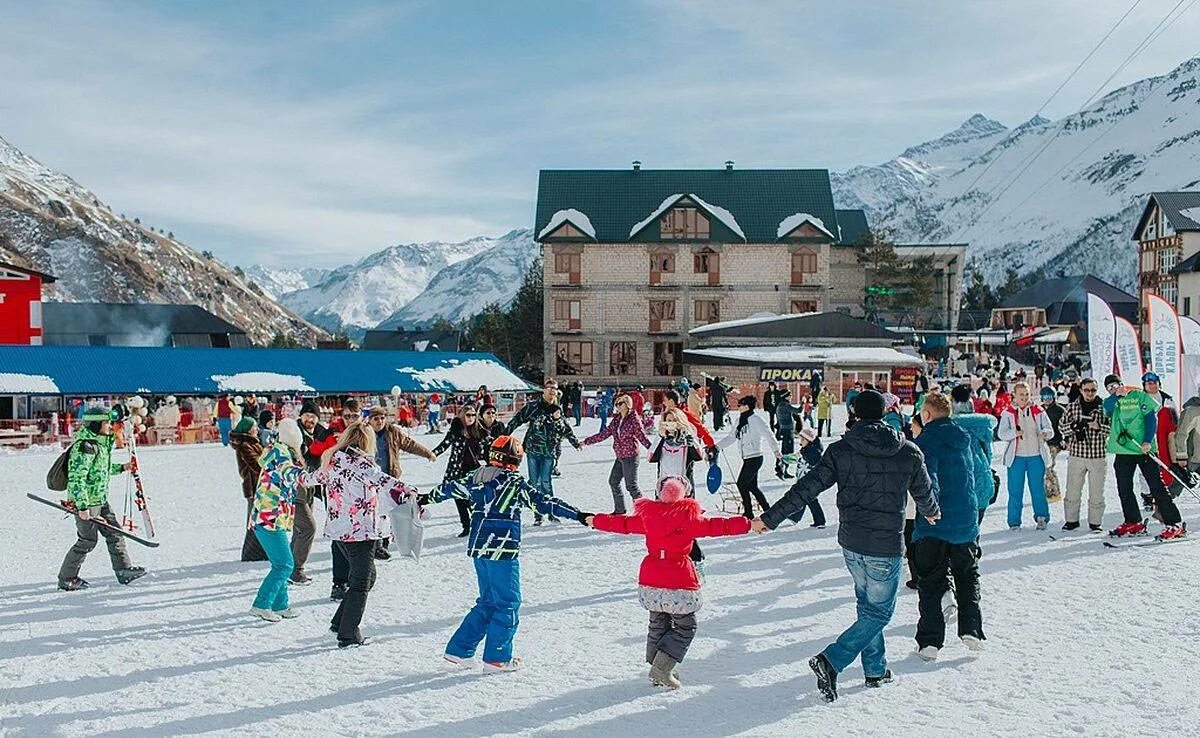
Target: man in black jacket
[875, 470]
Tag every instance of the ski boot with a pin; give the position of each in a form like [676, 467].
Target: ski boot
[1147, 502]
[125, 576]
[1129, 530]
[73, 584]
[1173, 532]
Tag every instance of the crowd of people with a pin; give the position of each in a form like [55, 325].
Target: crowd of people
[913, 488]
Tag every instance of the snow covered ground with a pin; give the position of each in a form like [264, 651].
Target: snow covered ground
[1082, 640]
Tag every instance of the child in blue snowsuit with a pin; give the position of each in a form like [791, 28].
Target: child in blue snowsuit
[496, 494]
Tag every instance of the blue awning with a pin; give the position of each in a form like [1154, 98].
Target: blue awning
[117, 370]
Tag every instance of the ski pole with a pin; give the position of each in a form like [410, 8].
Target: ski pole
[1175, 476]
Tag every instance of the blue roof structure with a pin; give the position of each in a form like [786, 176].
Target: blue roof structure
[113, 370]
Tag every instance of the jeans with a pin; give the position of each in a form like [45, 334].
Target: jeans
[1033, 470]
[272, 593]
[224, 425]
[433, 420]
[875, 581]
[1123, 466]
[88, 535]
[626, 469]
[578, 413]
[935, 562]
[603, 420]
[495, 614]
[360, 563]
[540, 470]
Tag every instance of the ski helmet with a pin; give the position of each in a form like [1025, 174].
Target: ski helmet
[506, 451]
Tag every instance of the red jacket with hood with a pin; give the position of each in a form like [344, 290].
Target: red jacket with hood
[670, 529]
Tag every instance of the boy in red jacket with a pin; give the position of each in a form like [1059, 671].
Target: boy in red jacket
[667, 582]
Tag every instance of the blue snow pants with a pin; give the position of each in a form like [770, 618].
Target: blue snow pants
[494, 615]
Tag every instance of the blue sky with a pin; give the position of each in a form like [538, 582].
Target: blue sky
[314, 133]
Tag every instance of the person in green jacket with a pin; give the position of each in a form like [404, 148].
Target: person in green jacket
[88, 470]
[1131, 437]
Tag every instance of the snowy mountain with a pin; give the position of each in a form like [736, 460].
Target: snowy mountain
[355, 297]
[464, 289]
[50, 222]
[276, 282]
[1061, 194]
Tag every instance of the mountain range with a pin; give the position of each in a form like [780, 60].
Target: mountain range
[51, 223]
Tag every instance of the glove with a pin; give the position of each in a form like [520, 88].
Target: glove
[582, 517]
[423, 500]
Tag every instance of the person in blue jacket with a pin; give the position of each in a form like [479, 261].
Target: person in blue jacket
[604, 406]
[949, 548]
[982, 428]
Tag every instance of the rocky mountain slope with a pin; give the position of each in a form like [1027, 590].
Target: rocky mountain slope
[51, 223]
[1064, 194]
[279, 281]
[464, 289]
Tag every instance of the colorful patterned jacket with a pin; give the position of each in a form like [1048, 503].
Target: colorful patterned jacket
[626, 432]
[275, 497]
[496, 496]
[545, 430]
[88, 468]
[353, 484]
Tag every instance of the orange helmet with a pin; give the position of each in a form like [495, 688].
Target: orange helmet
[506, 451]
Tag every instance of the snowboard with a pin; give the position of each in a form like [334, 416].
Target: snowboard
[714, 478]
[98, 521]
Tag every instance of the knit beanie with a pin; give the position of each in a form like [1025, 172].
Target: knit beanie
[265, 418]
[868, 405]
[1110, 380]
[289, 434]
[808, 434]
[243, 426]
[310, 406]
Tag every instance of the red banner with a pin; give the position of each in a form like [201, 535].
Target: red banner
[904, 383]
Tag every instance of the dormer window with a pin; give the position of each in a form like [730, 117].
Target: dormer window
[684, 223]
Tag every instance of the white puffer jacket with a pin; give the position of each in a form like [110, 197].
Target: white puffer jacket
[757, 433]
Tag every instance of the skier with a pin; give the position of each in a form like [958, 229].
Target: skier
[1086, 432]
[627, 432]
[875, 469]
[1187, 437]
[274, 508]
[541, 438]
[468, 442]
[390, 442]
[496, 494]
[1054, 412]
[668, 583]
[247, 447]
[785, 415]
[947, 549]
[1026, 428]
[1134, 416]
[811, 451]
[750, 433]
[89, 467]
[1168, 423]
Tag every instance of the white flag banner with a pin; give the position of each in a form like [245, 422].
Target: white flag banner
[1101, 337]
[1191, 378]
[1165, 345]
[1129, 354]
[1189, 331]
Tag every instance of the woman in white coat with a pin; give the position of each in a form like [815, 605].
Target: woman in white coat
[750, 433]
[1026, 427]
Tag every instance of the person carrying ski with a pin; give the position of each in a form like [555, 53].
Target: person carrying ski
[89, 467]
[627, 432]
[496, 494]
[1134, 417]
[1085, 429]
[544, 417]
[668, 583]
[1026, 428]
[1054, 412]
[468, 442]
[244, 440]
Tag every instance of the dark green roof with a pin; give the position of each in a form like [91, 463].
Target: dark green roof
[614, 200]
[854, 227]
[1174, 205]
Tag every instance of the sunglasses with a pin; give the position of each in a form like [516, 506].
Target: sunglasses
[469, 415]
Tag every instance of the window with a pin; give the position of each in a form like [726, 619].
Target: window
[97, 339]
[1169, 291]
[683, 223]
[706, 311]
[804, 261]
[1151, 226]
[1147, 261]
[661, 263]
[35, 313]
[568, 264]
[804, 306]
[573, 357]
[1166, 259]
[1187, 306]
[661, 311]
[622, 358]
[568, 311]
[707, 261]
[668, 359]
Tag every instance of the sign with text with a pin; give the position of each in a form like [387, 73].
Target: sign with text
[904, 383]
[795, 373]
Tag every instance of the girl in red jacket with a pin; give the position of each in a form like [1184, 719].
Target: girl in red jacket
[667, 583]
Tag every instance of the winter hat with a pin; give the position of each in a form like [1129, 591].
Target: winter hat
[289, 434]
[869, 405]
[1047, 394]
[310, 406]
[808, 434]
[749, 401]
[97, 414]
[890, 400]
[243, 426]
[1110, 380]
[265, 418]
[673, 489]
[1150, 377]
[961, 393]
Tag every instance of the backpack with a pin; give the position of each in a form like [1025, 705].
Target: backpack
[56, 478]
